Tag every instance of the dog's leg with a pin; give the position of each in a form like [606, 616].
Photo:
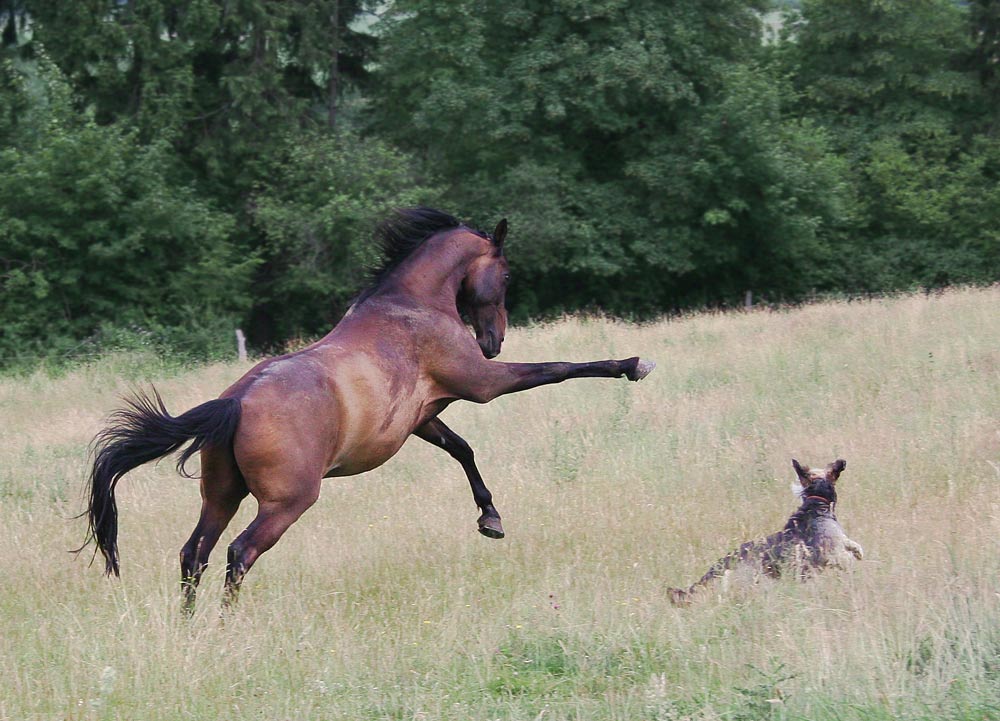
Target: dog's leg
[854, 548]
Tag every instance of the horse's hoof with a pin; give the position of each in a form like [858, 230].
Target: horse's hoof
[490, 527]
[642, 369]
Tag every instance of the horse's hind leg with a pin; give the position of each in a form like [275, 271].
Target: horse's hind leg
[222, 490]
[437, 433]
[274, 516]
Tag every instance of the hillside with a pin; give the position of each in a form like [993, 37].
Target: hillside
[383, 601]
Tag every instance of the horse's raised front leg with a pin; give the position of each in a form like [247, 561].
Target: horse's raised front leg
[437, 433]
[492, 379]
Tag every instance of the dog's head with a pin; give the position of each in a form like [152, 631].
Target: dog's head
[820, 482]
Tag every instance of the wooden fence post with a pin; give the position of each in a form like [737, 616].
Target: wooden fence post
[241, 345]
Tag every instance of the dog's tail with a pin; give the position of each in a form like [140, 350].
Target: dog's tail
[684, 596]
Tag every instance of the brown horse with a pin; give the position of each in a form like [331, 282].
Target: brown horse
[346, 403]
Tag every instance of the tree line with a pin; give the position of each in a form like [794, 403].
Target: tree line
[172, 170]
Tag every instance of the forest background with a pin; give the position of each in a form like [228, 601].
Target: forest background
[170, 171]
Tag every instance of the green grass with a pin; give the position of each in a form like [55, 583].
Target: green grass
[383, 602]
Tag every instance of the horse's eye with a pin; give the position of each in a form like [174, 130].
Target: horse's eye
[506, 276]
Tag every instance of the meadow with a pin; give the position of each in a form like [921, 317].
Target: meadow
[383, 602]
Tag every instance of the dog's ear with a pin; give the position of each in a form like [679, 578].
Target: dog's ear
[802, 472]
[836, 468]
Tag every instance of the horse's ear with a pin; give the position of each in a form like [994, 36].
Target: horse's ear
[837, 467]
[500, 233]
[801, 472]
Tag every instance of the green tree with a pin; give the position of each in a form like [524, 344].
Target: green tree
[91, 232]
[896, 85]
[219, 80]
[636, 146]
[315, 211]
[223, 90]
[984, 60]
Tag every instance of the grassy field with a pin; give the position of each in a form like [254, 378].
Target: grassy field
[383, 602]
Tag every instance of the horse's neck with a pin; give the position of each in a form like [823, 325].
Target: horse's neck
[435, 272]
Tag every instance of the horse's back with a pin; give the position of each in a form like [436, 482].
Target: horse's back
[336, 408]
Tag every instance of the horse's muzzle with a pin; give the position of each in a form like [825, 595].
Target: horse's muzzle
[490, 345]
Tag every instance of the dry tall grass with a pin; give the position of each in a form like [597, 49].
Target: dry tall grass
[383, 602]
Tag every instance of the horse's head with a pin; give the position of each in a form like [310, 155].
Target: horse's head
[818, 481]
[484, 291]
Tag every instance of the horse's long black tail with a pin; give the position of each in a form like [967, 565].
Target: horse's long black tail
[141, 432]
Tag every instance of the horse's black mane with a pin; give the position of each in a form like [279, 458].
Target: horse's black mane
[402, 233]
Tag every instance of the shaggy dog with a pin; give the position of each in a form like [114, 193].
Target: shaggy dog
[811, 540]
